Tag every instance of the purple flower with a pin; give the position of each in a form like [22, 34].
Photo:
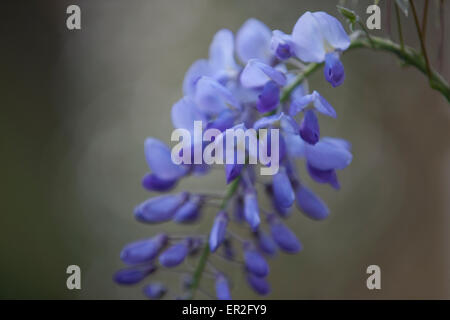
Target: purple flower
[212, 98]
[328, 154]
[189, 211]
[258, 284]
[221, 55]
[309, 128]
[223, 121]
[160, 162]
[159, 209]
[198, 69]
[265, 243]
[164, 172]
[218, 231]
[232, 171]
[334, 69]
[316, 35]
[282, 45]
[251, 209]
[143, 250]
[284, 237]
[222, 288]
[284, 195]
[174, 255]
[134, 274]
[319, 102]
[256, 74]
[323, 176]
[151, 182]
[155, 290]
[185, 112]
[255, 263]
[253, 41]
[269, 97]
[310, 204]
[219, 66]
[282, 211]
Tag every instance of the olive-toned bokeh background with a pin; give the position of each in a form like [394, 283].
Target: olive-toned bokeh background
[76, 107]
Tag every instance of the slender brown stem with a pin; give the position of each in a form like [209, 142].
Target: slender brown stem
[424, 20]
[441, 41]
[388, 17]
[422, 42]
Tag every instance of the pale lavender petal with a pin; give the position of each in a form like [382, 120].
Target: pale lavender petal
[253, 41]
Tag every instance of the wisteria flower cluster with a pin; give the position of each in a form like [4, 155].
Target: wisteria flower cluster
[248, 81]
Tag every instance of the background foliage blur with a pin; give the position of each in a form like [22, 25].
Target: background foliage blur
[76, 107]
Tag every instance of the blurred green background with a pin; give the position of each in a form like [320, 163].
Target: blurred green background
[76, 107]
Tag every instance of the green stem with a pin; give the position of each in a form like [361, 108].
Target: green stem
[410, 57]
[310, 68]
[201, 265]
[407, 54]
[363, 27]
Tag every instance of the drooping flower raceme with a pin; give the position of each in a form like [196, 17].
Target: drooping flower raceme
[243, 84]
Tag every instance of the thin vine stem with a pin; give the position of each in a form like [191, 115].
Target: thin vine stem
[406, 54]
[421, 38]
[399, 26]
[424, 19]
[198, 273]
[410, 57]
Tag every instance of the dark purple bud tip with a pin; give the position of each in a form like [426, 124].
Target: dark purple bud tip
[334, 69]
[143, 250]
[133, 275]
[283, 51]
[232, 170]
[324, 176]
[259, 285]
[309, 128]
[174, 255]
[155, 290]
[282, 45]
[255, 263]
[222, 288]
[269, 97]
